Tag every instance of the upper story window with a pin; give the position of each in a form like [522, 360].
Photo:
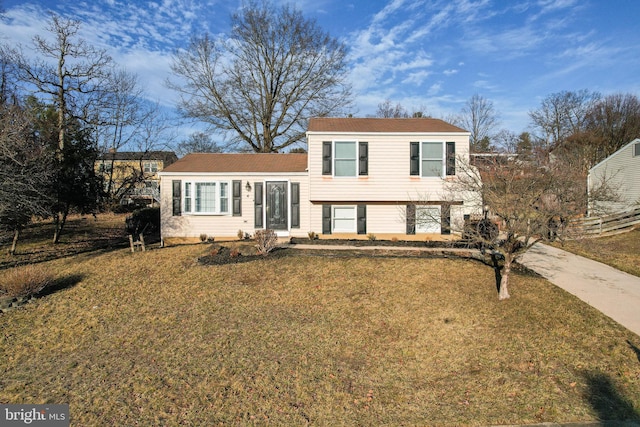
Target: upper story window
[209, 197]
[636, 149]
[345, 158]
[150, 167]
[433, 158]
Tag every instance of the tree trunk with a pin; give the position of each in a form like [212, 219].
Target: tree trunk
[16, 235]
[503, 293]
[56, 227]
[60, 219]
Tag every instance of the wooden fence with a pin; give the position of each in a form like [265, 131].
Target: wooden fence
[606, 225]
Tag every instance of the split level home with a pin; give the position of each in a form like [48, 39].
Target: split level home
[360, 177]
[620, 172]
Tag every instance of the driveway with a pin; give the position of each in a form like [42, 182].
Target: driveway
[613, 292]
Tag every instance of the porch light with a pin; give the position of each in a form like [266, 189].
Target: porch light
[248, 186]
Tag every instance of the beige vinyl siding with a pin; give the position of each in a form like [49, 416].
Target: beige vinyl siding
[621, 171]
[191, 226]
[388, 176]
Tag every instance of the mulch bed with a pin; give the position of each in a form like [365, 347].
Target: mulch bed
[222, 255]
[462, 244]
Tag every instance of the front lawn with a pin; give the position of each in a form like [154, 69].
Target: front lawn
[154, 338]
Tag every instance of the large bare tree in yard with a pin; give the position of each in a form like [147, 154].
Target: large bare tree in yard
[525, 203]
[262, 82]
[73, 77]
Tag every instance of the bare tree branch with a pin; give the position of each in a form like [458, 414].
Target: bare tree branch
[262, 83]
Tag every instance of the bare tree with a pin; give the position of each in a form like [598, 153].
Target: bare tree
[73, 74]
[387, 109]
[524, 203]
[613, 122]
[561, 115]
[127, 120]
[198, 142]
[25, 172]
[75, 78]
[263, 81]
[479, 117]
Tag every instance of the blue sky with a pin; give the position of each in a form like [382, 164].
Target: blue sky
[429, 55]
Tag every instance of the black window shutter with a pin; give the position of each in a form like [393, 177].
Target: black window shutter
[326, 158]
[295, 205]
[326, 219]
[451, 158]
[445, 219]
[363, 163]
[362, 219]
[237, 198]
[177, 197]
[411, 219]
[258, 206]
[414, 168]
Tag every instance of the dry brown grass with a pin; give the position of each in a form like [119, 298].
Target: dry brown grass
[82, 234]
[153, 338]
[621, 251]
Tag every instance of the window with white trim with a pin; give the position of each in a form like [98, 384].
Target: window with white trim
[432, 159]
[345, 158]
[207, 197]
[428, 219]
[343, 219]
[150, 167]
[636, 149]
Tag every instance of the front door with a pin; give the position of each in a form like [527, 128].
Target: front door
[277, 205]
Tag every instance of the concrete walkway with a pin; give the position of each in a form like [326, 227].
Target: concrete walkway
[613, 292]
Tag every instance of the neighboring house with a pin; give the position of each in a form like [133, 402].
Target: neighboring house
[620, 172]
[361, 176]
[131, 177]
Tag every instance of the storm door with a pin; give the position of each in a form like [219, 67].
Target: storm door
[277, 205]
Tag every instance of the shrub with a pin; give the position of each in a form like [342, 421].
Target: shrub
[371, 237]
[394, 239]
[24, 281]
[234, 253]
[144, 221]
[312, 235]
[240, 234]
[203, 237]
[266, 241]
[214, 251]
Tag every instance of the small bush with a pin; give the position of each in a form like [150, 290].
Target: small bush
[266, 241]
[312, 235]
[214, 251]
[24, 281]
[240, 234]
[203, 237]
[234, 253]
[394, 239]
[371, 237]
